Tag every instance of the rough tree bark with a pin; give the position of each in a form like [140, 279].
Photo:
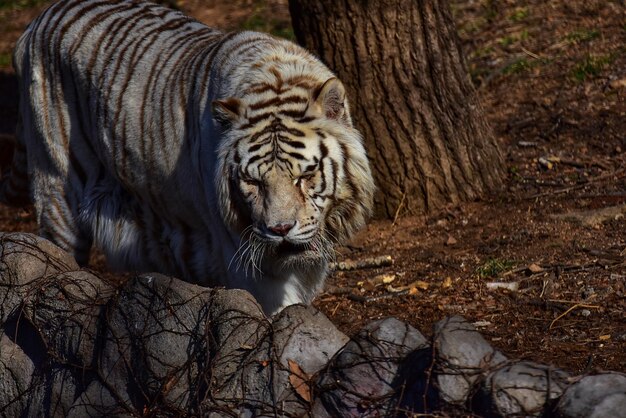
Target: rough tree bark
[411, 97]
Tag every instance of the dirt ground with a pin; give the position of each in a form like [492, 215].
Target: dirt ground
[552, 77]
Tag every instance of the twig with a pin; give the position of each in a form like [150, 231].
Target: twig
[572, 163]
[578, 305]
[395, 217]
[565, 301]
[515, 271]
[382, 261]
[619, 174]
[531, 54]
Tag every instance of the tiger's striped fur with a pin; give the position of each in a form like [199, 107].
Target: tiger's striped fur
[225, 159]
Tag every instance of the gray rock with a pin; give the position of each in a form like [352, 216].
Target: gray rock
[97, 401]
[58, 387]
[16, 375]
[25, 258]
[303, 342]
[597, 396]
[520, 389]
[237, 327]
[307, 336]
[462, 356]
[273, 374]
[365, 377]
[67, 313]
[155, 347]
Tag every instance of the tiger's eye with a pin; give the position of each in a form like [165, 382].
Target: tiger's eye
[251, 182]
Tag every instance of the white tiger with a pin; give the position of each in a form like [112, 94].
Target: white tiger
[225, 159]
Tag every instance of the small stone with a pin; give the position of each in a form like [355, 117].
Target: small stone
[450, 241]
[585, 312]
[512, 286]
[587, 292]
[545, 163]
[526, 144]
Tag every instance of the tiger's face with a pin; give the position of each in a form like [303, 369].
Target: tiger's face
[295, 175]
[286, 187]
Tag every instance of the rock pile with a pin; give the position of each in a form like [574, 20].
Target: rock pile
[75, 345]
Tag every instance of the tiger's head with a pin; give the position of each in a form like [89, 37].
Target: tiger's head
[293, 177]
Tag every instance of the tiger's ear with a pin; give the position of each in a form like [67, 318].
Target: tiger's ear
[227, 111]
[329, 100]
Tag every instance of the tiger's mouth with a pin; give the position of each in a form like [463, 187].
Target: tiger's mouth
[288, 248]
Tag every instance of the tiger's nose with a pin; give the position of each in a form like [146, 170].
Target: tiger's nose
[281, 229]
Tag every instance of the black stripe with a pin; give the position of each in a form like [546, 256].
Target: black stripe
[278, 101]
[295, 155]
[323, 151]
[292, 131]
[256, 119]
[323, 183]
[255, 158]
[295, 114]
[255, 147]
[306, 119]
[296, 144]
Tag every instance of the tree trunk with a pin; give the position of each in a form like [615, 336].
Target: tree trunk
[411, 98]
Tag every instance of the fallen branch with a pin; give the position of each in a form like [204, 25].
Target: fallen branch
[593, 217]
[382, 261]
[617, 174]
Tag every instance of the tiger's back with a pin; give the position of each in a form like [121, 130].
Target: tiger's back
[127, 149]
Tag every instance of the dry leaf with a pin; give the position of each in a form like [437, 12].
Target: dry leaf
[368, 285]
[422, 285]
[451, 240]
[534, 268]
[447, 282]
[620, 83]
[411, 287]
[299, 380]
[371, 284]
[605, 337]
[386, 278]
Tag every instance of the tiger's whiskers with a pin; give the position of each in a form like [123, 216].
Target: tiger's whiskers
[243, 248]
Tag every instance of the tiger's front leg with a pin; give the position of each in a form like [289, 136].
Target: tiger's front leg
[57, 216]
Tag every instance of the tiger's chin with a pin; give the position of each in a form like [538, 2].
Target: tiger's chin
[288, 254]
[291, 273]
